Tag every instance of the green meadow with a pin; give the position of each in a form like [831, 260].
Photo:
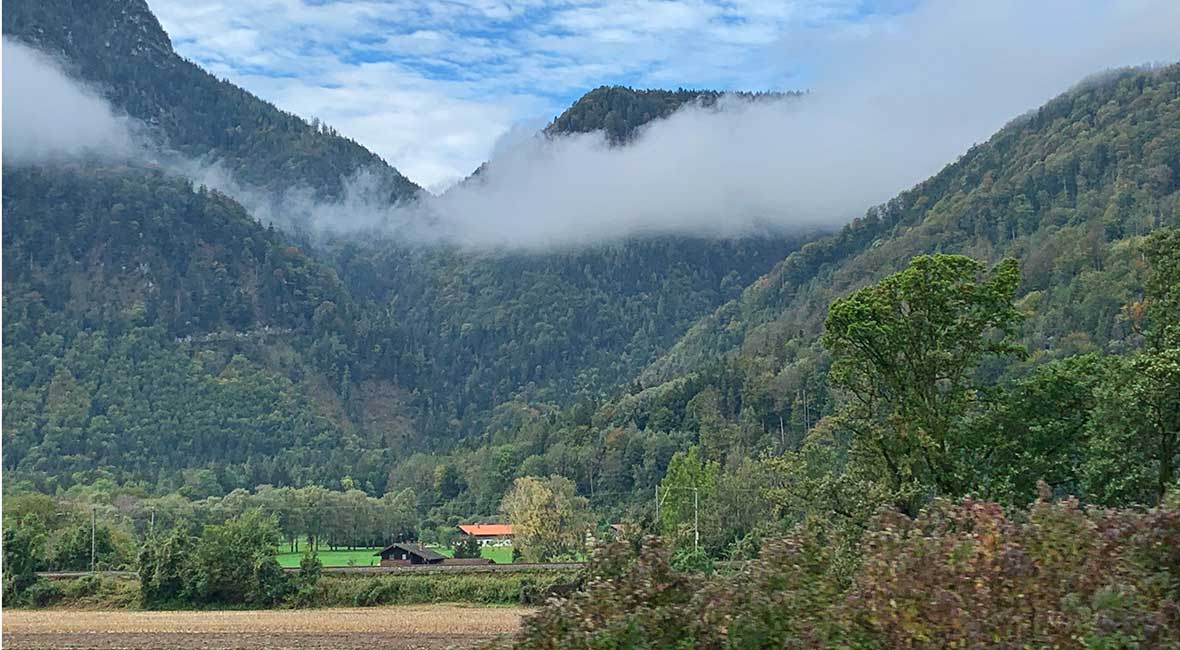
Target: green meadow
[368, 557]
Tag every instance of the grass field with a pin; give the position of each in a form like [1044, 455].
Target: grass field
[367, 557]
[396, 628]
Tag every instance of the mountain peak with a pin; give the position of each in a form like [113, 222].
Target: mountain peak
[121, 48]
[97, 29]
[620, 111]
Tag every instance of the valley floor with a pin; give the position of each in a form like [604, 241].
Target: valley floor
[394, 628]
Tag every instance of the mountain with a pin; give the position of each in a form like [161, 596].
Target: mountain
[619, 111]
[158, 336]
[119, 47]
[1068, 190]
[370, 348]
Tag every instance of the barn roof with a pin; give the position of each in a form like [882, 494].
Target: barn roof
[413, 549]
[486, 530]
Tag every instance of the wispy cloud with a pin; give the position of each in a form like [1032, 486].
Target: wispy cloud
[48, 116]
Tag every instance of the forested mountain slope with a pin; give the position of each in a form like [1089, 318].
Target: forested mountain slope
[1066, 190]
[152, 329]
[557, 326]
[119, 46]
[1069, 190]
[478, 329]
[375, 347]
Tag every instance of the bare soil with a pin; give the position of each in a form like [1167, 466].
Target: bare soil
[414, 627]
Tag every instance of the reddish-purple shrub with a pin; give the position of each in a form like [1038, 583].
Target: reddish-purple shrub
[959, 575]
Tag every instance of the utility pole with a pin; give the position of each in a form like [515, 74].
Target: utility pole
[696, 520]
[657, 506]
[152, 526]
[93, 522]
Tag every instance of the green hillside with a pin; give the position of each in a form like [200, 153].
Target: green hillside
[154, 329]
[1067, 190]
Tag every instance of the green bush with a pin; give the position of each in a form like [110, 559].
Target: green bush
[43, 593]
[82, 587]
[478, 588]
[229, 564]
[466, 546]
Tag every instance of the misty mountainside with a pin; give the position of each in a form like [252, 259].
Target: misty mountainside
[157, 333]
[619, 112]
[119, 47]
[563, 325]
[1068, 190]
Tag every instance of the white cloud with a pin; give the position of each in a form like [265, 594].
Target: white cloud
[48, 116]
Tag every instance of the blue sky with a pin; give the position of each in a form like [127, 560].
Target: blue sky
[431, 86]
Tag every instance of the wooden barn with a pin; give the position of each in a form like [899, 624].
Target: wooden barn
[406, 554]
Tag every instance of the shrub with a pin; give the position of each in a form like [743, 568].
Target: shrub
[304, 583]
[232, 563]
[466, 546]
[964, 575]
[82, 587]
[42, 593]
[480, 588]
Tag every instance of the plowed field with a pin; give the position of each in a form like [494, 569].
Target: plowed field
[387, 628]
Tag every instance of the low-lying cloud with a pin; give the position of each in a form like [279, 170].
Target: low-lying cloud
[48, 116]
[892, 100]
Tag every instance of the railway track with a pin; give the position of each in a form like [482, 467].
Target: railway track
[519, 567]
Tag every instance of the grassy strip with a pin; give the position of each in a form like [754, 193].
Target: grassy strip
[354, 557]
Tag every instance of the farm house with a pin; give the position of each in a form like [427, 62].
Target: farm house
[489, 534]
[406, 554]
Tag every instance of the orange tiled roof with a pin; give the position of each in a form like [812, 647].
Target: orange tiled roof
[486, 530]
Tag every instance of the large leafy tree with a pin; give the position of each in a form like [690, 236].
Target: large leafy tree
[235, 561]
[689, 482]
[1136, 422]
[906, 351]
[24, 547]
[548, 518]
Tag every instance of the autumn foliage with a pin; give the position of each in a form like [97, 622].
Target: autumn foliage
[961, 574]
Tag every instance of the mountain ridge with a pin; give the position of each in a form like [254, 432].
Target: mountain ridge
[125, 52]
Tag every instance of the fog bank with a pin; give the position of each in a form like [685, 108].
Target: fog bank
[48, 116]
